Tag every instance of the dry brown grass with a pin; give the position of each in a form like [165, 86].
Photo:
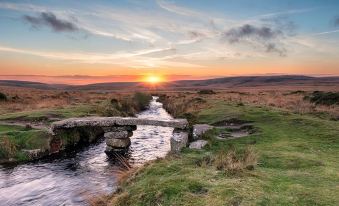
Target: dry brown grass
[7, 148]
[98, 200]
[289, 100]
[177, 103]
[27, 99]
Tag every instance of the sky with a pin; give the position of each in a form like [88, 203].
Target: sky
[83, 42]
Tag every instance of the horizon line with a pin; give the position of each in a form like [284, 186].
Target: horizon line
[81, 79]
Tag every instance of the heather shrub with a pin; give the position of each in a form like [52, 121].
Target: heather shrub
[3, 97]
[324, 98]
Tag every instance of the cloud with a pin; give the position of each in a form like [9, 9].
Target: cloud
[196, 35]
[171, 7]
[272, 48]
[283, 23]
[287, 12]
[265, 36]
[137, 59]
[22, 7]
[249, 31]
[325, 32]
[336, 21]
[48, 19]
[165, 31]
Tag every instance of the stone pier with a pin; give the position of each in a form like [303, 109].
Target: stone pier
[118, 138]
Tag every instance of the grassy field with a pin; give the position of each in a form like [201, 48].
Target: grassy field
[31, 112]
[297, 164]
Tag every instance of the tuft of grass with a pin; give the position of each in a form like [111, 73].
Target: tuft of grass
[108, 109]
[206, 91]
[8, 148]
[235, 161]
[125, 106]
[141, 100]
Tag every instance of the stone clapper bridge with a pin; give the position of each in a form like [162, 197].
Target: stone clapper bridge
[116, 130]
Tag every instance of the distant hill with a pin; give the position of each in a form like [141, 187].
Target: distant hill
[253, 81]
[217, 83]
[109, 86]
[26, 84]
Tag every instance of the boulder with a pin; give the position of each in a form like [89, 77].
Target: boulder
[179, 140]
[118, 143]
[118, 135]
[200, 129]
[32, 153]
[199, 144]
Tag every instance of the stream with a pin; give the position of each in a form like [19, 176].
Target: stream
[74, 178]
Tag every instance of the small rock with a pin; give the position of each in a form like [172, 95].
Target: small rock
[199, 144]
[28, 126]
[178, 141]
[118, 143]
[32, 153]
[200, 129]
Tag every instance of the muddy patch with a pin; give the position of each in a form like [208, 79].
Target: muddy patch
[231, 122]
[234, 128]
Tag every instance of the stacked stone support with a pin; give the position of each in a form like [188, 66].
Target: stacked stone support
[118, 138]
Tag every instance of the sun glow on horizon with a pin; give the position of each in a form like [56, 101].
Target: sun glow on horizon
[153, 79]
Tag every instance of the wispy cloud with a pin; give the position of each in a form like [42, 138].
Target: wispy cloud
[336, 21]
[325, 32]
[137, 59]
[22, 7]
[281, 13]
[171, 7]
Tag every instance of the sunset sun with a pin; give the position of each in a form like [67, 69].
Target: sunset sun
[153, 79]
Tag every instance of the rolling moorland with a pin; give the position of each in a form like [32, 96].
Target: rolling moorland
[288, 158]
[247, 82]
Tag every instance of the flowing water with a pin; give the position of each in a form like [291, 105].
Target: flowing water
[72, 179]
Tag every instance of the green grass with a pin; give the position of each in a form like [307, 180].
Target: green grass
[10, 128]
[32, 139]
[45, 114]
[298, 165]
[19, 138]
